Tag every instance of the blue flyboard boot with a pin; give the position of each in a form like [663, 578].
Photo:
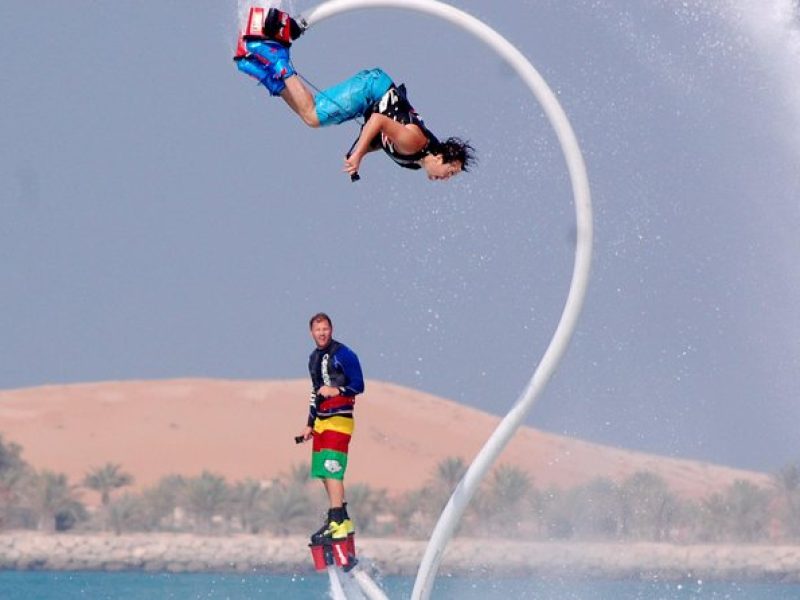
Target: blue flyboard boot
[267, 62]
[262, 51]
[276, 62]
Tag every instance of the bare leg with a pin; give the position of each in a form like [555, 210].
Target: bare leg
[335, 490]
[300, 100]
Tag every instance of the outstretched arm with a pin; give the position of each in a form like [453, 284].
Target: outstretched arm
[407, 139]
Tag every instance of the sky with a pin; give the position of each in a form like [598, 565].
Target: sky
[162, 217]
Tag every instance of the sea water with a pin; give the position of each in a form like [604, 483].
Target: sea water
[48, 585]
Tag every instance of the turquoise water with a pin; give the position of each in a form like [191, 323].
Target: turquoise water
[45, 585]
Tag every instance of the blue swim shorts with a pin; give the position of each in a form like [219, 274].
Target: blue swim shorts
[352, 97]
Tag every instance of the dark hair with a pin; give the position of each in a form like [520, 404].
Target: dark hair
[320, 316]
[455, 149]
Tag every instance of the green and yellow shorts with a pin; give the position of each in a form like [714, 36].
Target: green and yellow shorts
[331, 441]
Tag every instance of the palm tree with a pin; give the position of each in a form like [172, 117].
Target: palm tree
[207, 497]
[162, 501]
[788, 478]
[408, 509]
[554, 513]
[365, 504]
[749, 511]
[508, 487]
[248, 501]
[12, 472]
[10, 458]
[787, 482]
[52, 498]
[299, 474]
[647, 507]
[712, 518]
[128, 513]
[288, 508]
[596, 509]
[106, 479]
[449, 471]
[741, 513]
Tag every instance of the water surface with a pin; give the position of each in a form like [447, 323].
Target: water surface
[48, 585]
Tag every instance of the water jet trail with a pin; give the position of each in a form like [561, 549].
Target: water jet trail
[337, 591]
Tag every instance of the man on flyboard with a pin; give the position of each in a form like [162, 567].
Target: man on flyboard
[336, 380]
[390, 122]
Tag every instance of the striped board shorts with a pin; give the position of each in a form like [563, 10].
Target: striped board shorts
[332, 440]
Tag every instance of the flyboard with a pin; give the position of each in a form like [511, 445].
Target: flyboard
[334, 553]
[579, 181]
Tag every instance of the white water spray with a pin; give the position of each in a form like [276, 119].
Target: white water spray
[337, 591]
[761, 32]
[774, 27]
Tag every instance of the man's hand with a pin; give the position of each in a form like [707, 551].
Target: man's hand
[328, 391]
[305, 435]
[352, 162]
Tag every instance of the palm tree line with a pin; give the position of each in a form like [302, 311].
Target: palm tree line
[509, 505]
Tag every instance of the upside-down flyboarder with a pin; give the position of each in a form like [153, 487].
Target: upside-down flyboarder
[390, 122]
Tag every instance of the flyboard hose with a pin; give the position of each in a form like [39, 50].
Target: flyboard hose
[450, 517]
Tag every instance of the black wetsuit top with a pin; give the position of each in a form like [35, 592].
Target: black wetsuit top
[395, 105]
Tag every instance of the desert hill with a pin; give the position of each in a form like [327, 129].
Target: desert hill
[243, 429]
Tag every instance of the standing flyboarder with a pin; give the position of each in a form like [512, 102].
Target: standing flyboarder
[336, 380]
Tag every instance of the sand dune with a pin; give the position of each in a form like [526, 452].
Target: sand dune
[244, 429]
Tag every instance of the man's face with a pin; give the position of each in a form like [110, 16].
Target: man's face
[441, 171]
[321, 331]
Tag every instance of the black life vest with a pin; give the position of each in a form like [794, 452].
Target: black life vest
[395, 105]
[322, 368]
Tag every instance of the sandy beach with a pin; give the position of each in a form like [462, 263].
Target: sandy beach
[475, 557]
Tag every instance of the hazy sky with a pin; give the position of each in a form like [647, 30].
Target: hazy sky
[163, 217]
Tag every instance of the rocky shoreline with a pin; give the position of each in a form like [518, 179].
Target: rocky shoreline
[478, 557]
